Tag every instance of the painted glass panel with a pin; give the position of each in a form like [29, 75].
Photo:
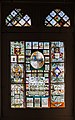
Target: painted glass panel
[37, 74]
[17, 96]
[17, 74]
[57, 75]
[57, 52]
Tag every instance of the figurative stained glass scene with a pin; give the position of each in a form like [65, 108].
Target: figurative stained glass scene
[37, 74]
[57, 18]
[17, 18]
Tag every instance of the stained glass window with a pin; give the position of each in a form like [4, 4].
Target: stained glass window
[37, 74]
[57, 18]
[17, 18]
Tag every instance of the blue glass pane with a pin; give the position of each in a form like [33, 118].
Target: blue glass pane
[61, 13]
[53, 22]
[53, 13]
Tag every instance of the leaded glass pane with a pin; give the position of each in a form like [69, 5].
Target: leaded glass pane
[16, 18]
[57, 18]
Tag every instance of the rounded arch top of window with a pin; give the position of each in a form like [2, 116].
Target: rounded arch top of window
[18, 19]
[57, 18]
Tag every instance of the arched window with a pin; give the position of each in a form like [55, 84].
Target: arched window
[57, 18]
[17, 18]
